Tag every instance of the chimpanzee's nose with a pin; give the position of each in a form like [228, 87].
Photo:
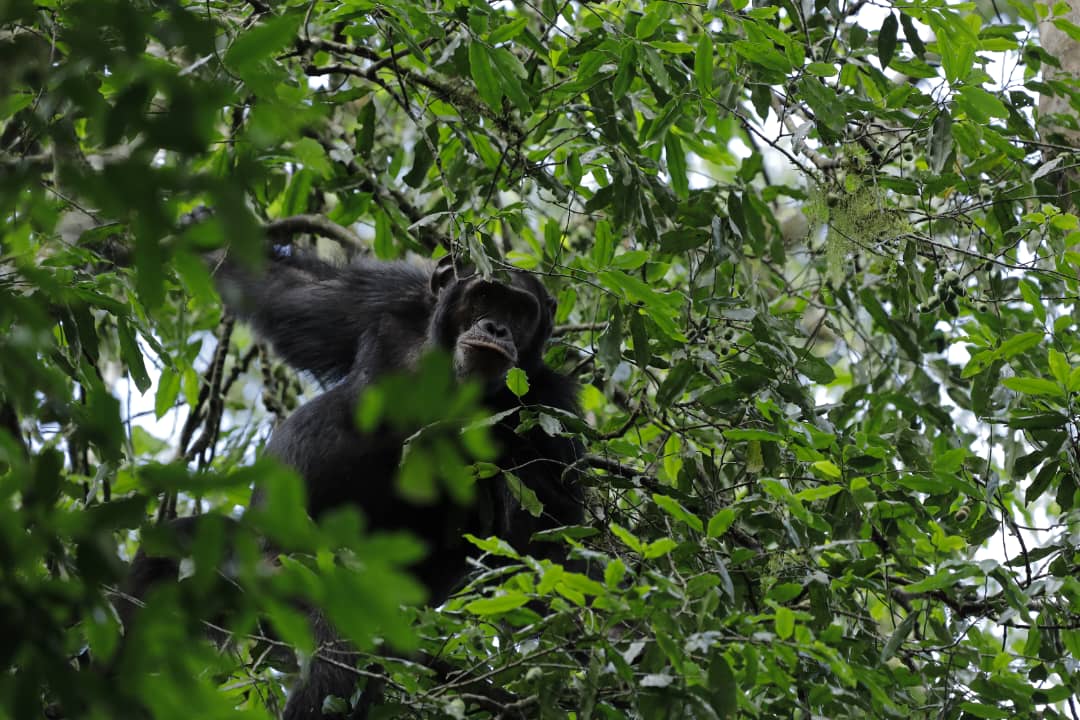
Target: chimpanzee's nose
[495, 329]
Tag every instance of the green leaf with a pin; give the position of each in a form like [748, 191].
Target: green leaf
[291, 626]
[510, 73]
[681, 240]
[1018, 344]
[743, 434]
[978, 362]
[1042, 480]
[1031, 296]
[825, 467]
[674, 384]
[630, 260]
[676, 164]
[673, 461]
[957, 41]
[626, 72]
[614, 572]
[384, 237]
[313, 157]
[294, 200]
[262, 41]
[941, 141]
[662, 308]
[816, 369]
[167, 391]
[582, 584]
[951, 461]
[925, 484]
[898, 636]
[365, 136]
[517, 381]
[493, 546]
[941, 580]
[509, 31]
[821, 69]
[677, 511]
[669, 46]
[722, 687]
[764, 54]
[659, 548]
[720, 522]
[133, 358]
[703, 64]
[820, 492]
[912, 35]
[887, 40]
[1067, 27]
[523, 494]
[784, 622]
[422, 156]
[483, 74]
[626, 536]
[985, 710]
[980, 105]
[498, 604]
[823, 101]
[649, 23]
[603, 249]
[1034, 386]
[1059, 367]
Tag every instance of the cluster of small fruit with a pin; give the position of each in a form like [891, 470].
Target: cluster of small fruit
[949, 289]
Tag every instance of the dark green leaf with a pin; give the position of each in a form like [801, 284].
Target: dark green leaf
[886, 41]
[133, 358]
[912, 35]
[703, 63]
[483, 74]
[262, 41]
[898, 636]
[676, 162]
[675, 383]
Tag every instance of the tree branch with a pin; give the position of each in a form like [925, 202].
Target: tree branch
[316, 225]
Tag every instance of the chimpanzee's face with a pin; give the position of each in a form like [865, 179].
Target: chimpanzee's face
[488, 325]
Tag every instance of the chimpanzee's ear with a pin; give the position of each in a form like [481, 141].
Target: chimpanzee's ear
[547, 300]
[444, 274]
[447, 270]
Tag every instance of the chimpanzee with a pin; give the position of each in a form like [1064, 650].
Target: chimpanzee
[349, 325]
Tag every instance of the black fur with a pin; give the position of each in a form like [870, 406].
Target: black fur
[350, 325]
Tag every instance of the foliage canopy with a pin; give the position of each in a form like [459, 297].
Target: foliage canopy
[817, 271]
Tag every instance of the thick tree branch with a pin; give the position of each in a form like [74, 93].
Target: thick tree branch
[316, 225]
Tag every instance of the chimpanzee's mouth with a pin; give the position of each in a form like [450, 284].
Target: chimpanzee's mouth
[491, 347]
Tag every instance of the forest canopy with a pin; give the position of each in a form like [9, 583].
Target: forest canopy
[816, 269]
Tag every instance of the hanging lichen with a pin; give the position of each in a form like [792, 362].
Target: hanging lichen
[856, 218]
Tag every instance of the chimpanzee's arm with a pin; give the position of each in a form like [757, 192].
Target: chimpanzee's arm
[315, 314]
